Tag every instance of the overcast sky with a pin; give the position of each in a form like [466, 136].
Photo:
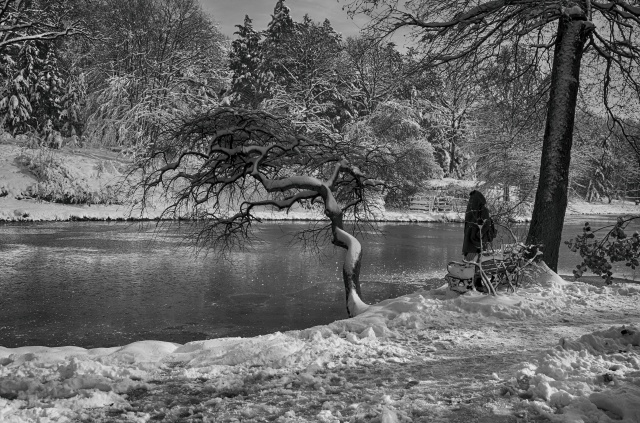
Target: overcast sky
[228, 13]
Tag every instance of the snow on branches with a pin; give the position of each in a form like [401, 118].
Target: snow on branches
[218, 167]
[600, 255]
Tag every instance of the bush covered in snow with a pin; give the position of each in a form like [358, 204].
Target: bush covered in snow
[59, 183]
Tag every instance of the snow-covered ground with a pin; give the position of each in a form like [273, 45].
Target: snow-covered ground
[555, 351]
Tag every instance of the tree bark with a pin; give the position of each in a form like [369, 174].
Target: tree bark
[453, 166]
[551, 197]
[352, 257]
[351, 272]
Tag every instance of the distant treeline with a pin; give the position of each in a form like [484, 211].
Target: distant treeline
[113, 72]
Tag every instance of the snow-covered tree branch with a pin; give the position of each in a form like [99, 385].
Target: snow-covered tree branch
[23, 21]
[220, 166]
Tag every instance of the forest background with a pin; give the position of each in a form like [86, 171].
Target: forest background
[111, 74]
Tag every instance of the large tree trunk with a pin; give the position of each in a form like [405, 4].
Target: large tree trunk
[551, 197]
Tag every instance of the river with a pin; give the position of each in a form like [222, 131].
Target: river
[96, 284]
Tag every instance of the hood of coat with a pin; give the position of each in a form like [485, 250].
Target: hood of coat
[476, 202]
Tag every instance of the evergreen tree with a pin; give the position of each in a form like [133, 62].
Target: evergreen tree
[245, 64]
[31, 82]
[281, 24]
[307, 82]
[291, 67]
[33, 88]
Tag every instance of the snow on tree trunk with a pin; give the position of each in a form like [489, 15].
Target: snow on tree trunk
[351, 272]
[353, 255]
[551, 196]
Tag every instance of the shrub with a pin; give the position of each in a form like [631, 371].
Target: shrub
[599, 255]
[58, 183]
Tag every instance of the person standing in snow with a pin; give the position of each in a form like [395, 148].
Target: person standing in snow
[476, 215]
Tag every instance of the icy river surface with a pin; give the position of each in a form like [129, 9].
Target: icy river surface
[103, 284]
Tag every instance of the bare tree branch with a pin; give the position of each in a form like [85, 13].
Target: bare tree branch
[218, 167]
[20, 22]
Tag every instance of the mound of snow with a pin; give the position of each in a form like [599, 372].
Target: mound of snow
[592, 379]
[270, 350]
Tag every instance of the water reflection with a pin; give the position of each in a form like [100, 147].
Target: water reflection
[103, 284]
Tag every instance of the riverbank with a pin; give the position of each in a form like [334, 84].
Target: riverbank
[30, 210]
[99, 170]
[554, 352]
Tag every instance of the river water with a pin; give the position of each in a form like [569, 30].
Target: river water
[103, 284]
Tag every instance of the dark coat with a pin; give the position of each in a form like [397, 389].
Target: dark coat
[476, 211]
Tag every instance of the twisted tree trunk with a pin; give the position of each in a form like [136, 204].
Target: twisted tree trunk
[351, 272]
[352, 258]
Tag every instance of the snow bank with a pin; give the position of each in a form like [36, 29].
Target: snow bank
[273, 350]
[55, 384]
[545, 294]
[590, 379]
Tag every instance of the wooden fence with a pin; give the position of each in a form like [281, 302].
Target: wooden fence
[437, 201]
